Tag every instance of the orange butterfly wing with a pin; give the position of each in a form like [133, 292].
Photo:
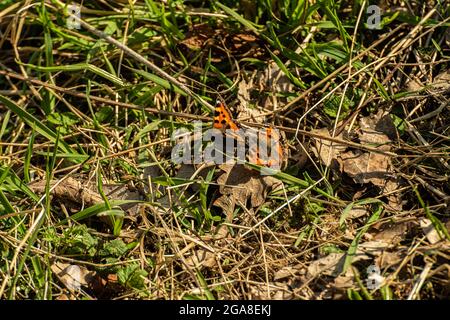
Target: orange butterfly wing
[272, 136]
[222, 118]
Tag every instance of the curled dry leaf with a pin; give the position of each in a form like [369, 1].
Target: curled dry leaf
[374, 248]
[329, 265]
[357, 212]
[70, 189]
[343, 282]
[72, 276]
[238, 184]
[83, 193]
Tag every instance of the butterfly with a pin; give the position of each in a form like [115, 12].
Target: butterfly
[269, 138]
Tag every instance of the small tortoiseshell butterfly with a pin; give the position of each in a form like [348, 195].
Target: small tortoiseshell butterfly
[223, 120]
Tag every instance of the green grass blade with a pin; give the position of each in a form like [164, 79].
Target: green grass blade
[248, 24]
[354, 245]
[80, 67]
[35, 123]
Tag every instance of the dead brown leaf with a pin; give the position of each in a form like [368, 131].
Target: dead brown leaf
[392, 234]
[389, 259]
[366, 167]
[343, 282]
[331, 265]
[374, 248]
[326, 150]
[394, 197]
[238, 184]
[83, 193]
[72, 276]
[287, 272]
[328, 265]
[357, 212]
[380, 122]
[70, 189]
[362, 166]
